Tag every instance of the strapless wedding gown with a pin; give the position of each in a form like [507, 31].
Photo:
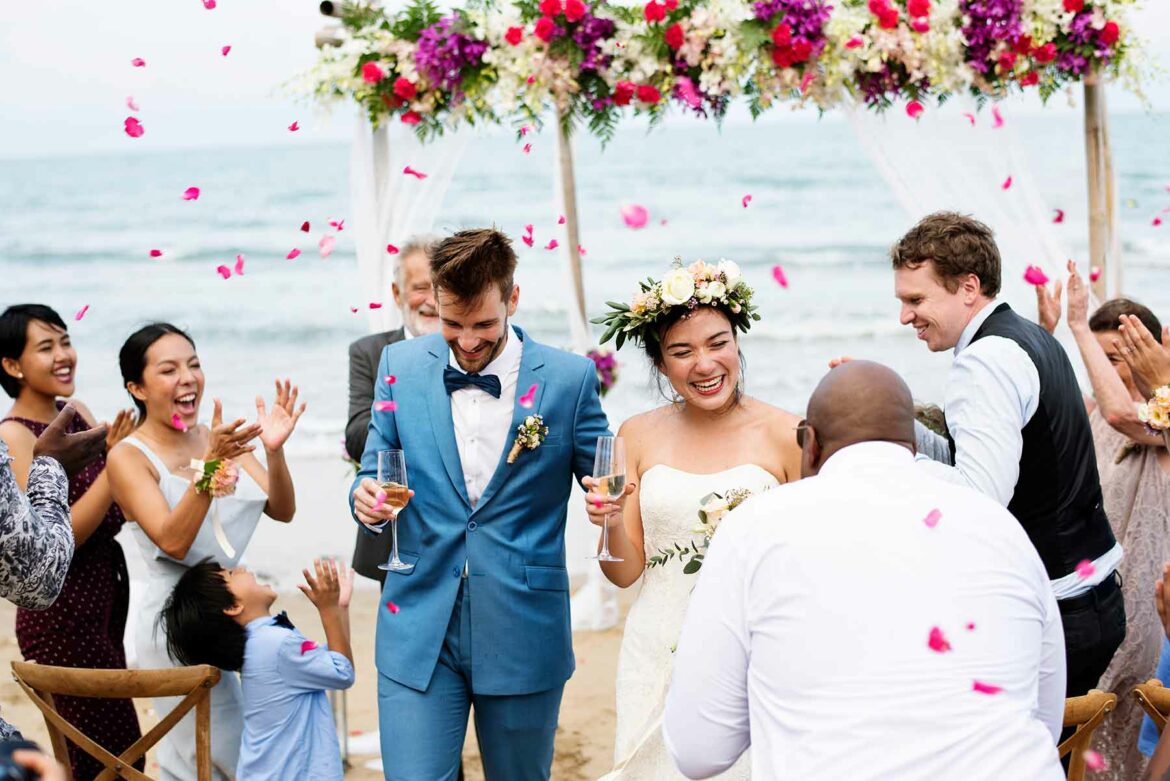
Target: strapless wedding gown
[669, 504]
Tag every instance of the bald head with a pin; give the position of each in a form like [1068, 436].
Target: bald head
[859, 401]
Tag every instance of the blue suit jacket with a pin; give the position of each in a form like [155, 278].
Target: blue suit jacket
[513, 540]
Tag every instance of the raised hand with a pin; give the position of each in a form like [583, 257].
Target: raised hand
[1148, 361]
[1078, 299]
[601, 510]
[73, 451]
[1048, 304]
[278, 424]
[124, 424]
[323, 589]
[229, 440]
[833, 364]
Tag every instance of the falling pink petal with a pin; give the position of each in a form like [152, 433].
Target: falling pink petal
[1085, 569]
[191, 194]
[597, 503]
[970, 117]
[224, 51]
[932, 518]
[411, 172]
[138, 62]
[854, 42]
[580, 250]
[971, 626]
[240, 265]
[914, 109]
[528, 229]
[986, 688]
[379, 499]
[689, 94]
[635, 216]
[938, 641]
[390, 248]
[393, 608]
[1059, 218]
[746, 200]
[996, 117]
[1094, 273]
[552, 244]
[294, 127]
[528, 149]
[1007, 183]
[325, 245]
[305, 226]
[81, 312]
[353, 310]
[156, 253]
[209, 4]
[1034, 275]
[1094, 762]
[293, 254]
[386, 406]
[527, 240]
[133, 127]
[308, 645]
[779, 275]
[390, 379]
[529, 398]
[375, 305]
[561, 220]
[338, 224]
[807, 79]
[1156, 221]
[131, 103]
[224, 272]
[525, 130]
[178, 423]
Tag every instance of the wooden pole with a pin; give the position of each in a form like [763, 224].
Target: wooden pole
[1112, 274]
[572, 226]
[1098, 189]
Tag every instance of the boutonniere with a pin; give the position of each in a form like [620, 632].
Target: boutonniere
[529, 436]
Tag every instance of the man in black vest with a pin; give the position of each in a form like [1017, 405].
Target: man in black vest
[1018, 427]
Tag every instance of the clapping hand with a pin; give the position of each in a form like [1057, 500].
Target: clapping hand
[1148, 361]
[1048, 304]
[72, 451]
[229, 440]
[277, 424]
[1078, 299]
[324, 590]
[124, 424]
[601, 509]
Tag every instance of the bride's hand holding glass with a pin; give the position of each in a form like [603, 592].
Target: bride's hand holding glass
[277, 424]
[601, 509]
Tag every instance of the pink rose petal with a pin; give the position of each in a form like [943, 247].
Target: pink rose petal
[986, 688]
[528, 229]
[224, 271]
[580, 250]
[353, 310]
[375, 305]
[338, 224]
[635, 216]
[938, 641]
[528, 149]
[131, 103]
[914, 109]
[996, 117]
[552, 244]
[390, 379]
[779, 275]
[224, 51]
[392, 249]
[971, 626]
[561, 220]
[386, 406]
[411, 172]
[746, 200]
[305, 226]
[1094, 273]
[1094, 762]
[854, 42]
[293, 254]
[392, 607]
[240, 265]
[525, 130]
[529, 398]
[527, 240]
[308, 645]
[191, 194]
[379, 499]
[178, 423]
[662, 221]
[1007, 184]
[325, 245]
[808, 78]
[294, 127]
[1059, 218]
[209, 4]
[1156, 221]
[138, 62]
[970, 117]
[1085, 569]
[81, 312]
[156, 253]
[133, 127]
[1034, 275]
[932, 518]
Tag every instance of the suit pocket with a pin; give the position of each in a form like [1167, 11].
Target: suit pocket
[407, 558]
[547, 578]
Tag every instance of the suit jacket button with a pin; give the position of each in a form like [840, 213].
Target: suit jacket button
[471, 526]
[455, 571]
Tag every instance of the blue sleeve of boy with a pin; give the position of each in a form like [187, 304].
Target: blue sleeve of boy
[310, 667]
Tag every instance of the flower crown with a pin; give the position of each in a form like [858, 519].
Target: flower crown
[699, 284]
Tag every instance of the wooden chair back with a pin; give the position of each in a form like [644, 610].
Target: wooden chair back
[1155, 701]
[1086, 714]
[193, 684]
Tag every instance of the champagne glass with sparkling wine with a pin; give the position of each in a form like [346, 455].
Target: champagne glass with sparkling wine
[392, 482]
[609, 466]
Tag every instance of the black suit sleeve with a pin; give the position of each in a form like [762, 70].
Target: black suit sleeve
[361, 400]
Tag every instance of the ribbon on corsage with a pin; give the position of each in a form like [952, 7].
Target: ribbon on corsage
[218, 478]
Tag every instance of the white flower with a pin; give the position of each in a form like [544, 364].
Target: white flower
[703, 293]
[731, 273]
[677, 287]
[716, 290]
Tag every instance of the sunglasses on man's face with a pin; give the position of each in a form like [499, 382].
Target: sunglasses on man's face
[801, 427]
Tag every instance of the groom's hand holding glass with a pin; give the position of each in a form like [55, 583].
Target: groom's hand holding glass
[366, 506]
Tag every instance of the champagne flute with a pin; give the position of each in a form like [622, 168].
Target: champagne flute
[392, 481]
[609, 466]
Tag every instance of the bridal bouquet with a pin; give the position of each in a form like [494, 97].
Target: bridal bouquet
[712, 509]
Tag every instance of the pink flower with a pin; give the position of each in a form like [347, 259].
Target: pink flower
[514, 35]
[1110, 33]
[575, 10]
[782, 35]
[1045, 54]
[81, 313]
[1030, 79]
[1074, 6]
[779, 275]
[178, 423]
[405, 88]
[386, 406]
[550, 7]
[294, 127]
[932, 518]
[888, 19]
[224, 51]
[648, 94]
[938, 641]
[635, 216]
[133, 127]
[390, 248]
[623, 92]
[293, 254]
[545, 28]
[411, 118]
[191, 194]
[1085, 569]
[985, 688]
[372, 73]
[920, 25]
[138, 62]
[914, 109]
[654, 11]
[156, 253]
[1034, 275]
[918, 8]
[674, 36]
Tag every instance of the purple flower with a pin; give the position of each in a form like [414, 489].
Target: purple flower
[442, 54]
[590, 32]
[807, 18]
[990, 22]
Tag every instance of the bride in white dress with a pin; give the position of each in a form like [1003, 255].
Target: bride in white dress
[710, 438]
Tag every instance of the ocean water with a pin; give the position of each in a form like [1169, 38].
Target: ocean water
[76, 231]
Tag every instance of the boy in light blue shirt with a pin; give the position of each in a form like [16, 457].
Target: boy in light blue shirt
[222, 617]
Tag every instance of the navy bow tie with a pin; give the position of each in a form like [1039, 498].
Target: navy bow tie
[281, 619]
[453, 380]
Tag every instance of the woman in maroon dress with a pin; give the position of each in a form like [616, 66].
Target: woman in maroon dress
[84, 627]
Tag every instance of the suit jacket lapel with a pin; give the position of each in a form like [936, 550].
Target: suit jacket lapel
[439, 408]
[531, 365]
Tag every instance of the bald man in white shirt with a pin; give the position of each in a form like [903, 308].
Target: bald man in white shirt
[871, 621]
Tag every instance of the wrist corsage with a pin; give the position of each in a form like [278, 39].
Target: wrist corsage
[217, 477]
[529, 436]
[1155, 413]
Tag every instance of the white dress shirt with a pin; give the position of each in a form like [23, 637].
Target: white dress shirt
[993, 390]
[482, 422]
[806, 638]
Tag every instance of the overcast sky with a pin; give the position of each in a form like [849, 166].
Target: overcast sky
[65, 74]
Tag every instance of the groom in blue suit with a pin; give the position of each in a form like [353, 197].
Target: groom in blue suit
[482, 619]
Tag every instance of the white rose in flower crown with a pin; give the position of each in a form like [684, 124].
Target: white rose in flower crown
[703, 293]
[677, 287]
[716, 291]
[731, 273]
